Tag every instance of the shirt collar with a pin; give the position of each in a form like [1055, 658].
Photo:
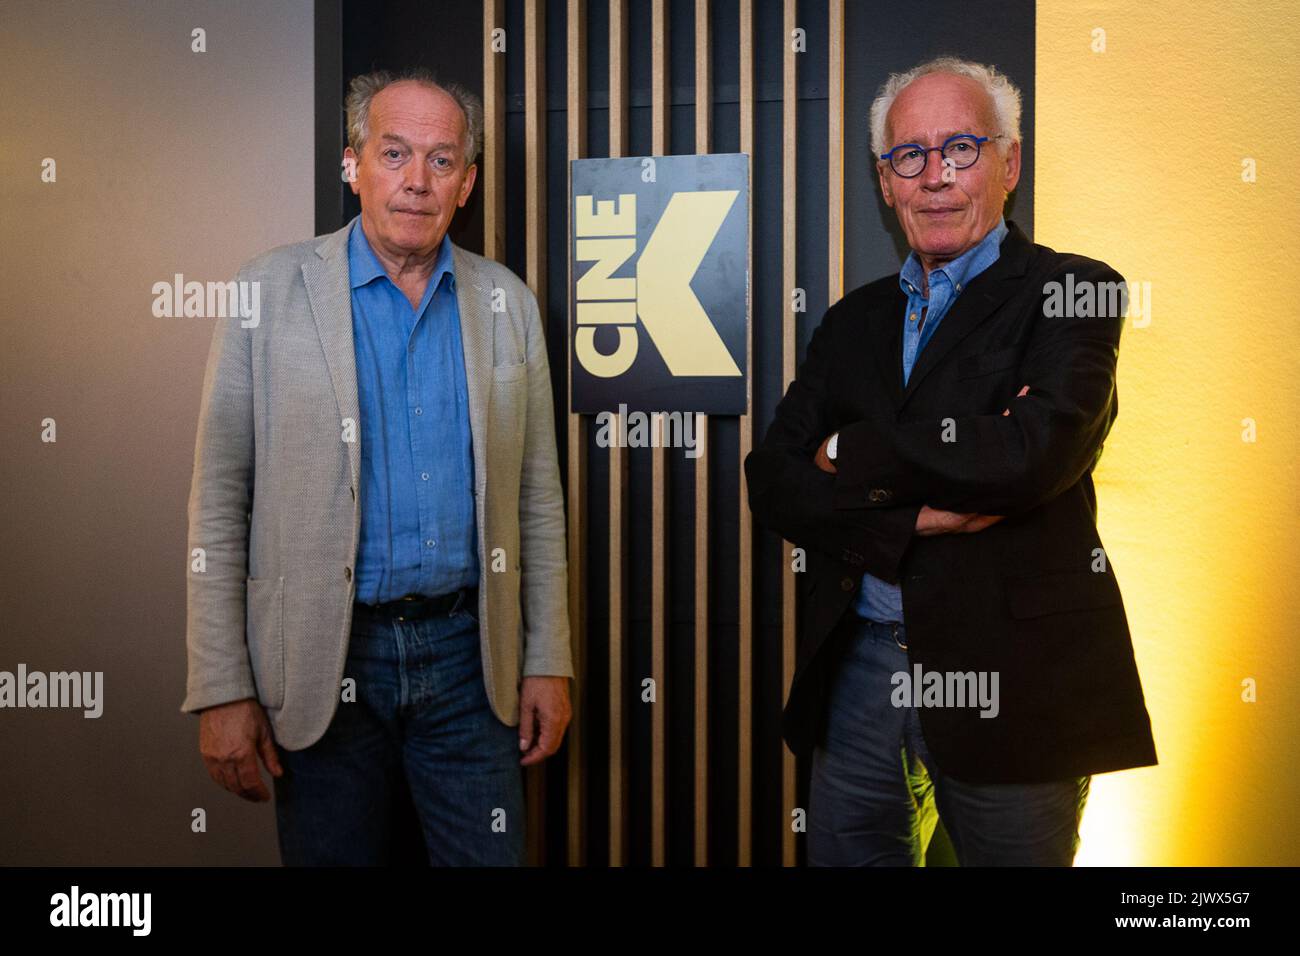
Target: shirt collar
[970, 263]
[364, 265]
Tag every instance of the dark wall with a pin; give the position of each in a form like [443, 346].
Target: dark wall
[881, 37]
[444, 36]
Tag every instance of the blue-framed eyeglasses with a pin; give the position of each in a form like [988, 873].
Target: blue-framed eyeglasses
[909, 159]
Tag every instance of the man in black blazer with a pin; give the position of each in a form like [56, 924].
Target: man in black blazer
[933, 458]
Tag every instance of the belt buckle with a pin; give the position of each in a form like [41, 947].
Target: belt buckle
[894, 628]
[409, 598]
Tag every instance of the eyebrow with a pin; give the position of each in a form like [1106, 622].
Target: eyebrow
[436, 148]
[943, 134]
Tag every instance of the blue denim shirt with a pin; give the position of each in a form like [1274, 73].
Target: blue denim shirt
[878, 600]
[418, 533]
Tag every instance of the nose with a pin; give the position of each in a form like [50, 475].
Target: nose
[932, 176]
[417, 179]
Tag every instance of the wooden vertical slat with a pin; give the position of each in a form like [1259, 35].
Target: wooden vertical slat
[659, 107]
[618, 141]
[535, 269]
[576, 117]
[659, 103]
[535, 148]
[703, 132]
[494, 135]
[745, 621]
[835, 149]
[658, 646]
[703, 78]
[789, 184]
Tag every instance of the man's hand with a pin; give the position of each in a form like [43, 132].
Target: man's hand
[231, 738]
[1020, 394]
[930, 521]
[821, 459]
[544, 713]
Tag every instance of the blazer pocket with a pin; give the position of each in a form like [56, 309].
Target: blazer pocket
[985, 363]
[266, 638]
[507, 340]
[1059, 591]
[509, 373]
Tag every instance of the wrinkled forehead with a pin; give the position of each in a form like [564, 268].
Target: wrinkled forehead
[938, 105]
[416, 113]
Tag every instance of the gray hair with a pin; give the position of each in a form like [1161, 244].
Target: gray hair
[1004, 94]
[363, 88]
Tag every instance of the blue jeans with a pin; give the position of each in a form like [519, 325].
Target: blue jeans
[875, 790]
[419, 734]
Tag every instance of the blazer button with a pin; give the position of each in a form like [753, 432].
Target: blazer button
[847, 584]
[347, 574]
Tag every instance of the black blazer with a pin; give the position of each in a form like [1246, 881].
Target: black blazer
[1021, 597]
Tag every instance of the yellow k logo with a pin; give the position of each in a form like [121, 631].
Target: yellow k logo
[661, 292]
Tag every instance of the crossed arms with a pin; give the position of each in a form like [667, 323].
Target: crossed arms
[1003, 463]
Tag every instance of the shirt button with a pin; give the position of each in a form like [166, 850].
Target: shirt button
[419, 410]
[424, 476]
[958, 286]
[428, 542]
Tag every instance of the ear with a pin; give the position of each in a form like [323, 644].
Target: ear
[1013, 167]
[886, 188]
[350, 161]
[467, 186]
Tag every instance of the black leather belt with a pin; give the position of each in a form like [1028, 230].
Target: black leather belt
[415, 607]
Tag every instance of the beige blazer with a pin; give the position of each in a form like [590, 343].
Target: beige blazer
[274, 505]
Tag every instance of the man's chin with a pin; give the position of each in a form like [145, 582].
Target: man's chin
[942, 241]
[414, 233]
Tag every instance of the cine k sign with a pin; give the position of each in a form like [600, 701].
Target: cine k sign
[660, 290]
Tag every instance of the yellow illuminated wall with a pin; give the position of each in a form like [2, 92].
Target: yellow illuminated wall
[1140, 153]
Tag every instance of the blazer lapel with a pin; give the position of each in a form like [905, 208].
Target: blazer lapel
[330, 296]
[986, 293]
[888, 342]
[473, 293]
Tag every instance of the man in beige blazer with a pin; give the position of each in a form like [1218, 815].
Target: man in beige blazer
[377, 596]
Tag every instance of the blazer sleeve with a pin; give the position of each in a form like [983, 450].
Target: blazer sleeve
[1001, 464]
[544, 580]
[790, 495]
[221, 496]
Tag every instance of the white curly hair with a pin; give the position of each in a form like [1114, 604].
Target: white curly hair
[1004, 94]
